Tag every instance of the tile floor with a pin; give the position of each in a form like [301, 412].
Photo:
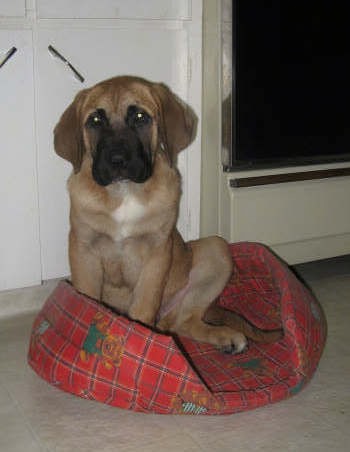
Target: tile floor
[37, 417]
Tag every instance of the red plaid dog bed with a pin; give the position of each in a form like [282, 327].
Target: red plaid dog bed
[82, 347]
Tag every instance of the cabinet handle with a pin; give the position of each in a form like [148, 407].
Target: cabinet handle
[7, 56]
[58, 55]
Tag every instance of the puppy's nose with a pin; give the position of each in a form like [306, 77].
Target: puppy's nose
[117, 160]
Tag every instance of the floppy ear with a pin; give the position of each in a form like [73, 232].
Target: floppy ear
[178, 122]
[68, 133]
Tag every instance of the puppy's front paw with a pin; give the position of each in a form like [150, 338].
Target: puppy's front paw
[142, 315]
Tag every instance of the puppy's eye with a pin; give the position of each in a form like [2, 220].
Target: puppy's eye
[137, 118]
[97, 118]
[141, 117]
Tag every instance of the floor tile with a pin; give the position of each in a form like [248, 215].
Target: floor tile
[16, 434]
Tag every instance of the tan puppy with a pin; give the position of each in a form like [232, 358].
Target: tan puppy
[122, 137]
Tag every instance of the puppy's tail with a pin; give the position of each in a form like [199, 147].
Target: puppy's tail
[218, 316]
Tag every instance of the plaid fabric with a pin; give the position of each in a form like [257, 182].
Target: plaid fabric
[82, 347]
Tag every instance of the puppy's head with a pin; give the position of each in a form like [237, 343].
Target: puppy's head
[120, 125]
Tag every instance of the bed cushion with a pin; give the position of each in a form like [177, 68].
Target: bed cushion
[82, 347]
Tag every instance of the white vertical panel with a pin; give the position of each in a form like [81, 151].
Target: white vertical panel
[19, 230]
[190, 205]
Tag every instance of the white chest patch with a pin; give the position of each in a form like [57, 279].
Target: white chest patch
[127, 215]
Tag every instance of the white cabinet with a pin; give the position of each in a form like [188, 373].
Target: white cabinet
[156, 39]
[97, 54]
[19, 222]
[12, 8]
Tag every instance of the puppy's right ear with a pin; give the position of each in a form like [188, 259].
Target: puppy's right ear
[68, 133]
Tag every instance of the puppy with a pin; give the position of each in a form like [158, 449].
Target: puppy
[122, 137]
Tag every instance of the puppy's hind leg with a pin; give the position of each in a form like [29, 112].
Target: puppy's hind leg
[211, 269]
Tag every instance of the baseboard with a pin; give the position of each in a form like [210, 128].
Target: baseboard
[313, 249]
[19, 301]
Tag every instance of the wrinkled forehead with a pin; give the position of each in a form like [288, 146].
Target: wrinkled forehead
[115, 98]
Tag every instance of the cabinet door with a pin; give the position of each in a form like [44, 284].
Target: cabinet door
[12, 8]
[19, 229]
[97, 54]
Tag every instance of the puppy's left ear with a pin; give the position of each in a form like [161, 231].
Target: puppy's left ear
[177, 121]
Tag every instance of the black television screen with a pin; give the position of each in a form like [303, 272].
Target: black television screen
[290, 82]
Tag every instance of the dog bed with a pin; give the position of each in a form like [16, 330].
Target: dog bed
[84, 348]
